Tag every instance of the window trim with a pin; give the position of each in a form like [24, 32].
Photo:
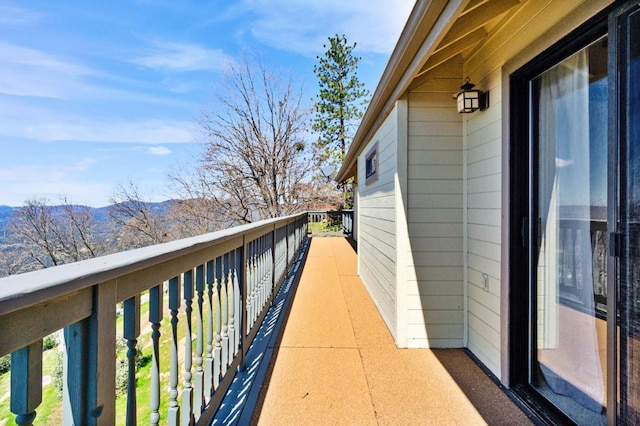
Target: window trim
[372, 159]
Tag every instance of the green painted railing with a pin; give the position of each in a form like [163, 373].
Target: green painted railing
[217, 288]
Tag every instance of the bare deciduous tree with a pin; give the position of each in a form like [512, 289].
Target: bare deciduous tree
[15, 259]
[53, 235]
[137, 224]
[254, 158]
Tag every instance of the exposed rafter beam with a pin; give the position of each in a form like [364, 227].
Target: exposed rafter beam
[440, 56]
[477, 18]
[473, 4]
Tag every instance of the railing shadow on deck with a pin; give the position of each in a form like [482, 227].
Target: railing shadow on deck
[241, 400]
[232, 275]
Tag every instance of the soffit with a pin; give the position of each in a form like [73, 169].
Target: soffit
[471, 29]
[435, 34]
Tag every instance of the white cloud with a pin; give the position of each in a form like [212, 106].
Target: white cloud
[84, 164]
[303, 26]
[18, 184]
[181, 57]
[15, 15]
[44, 124]
[144, 132]
[159, 150]
[29, 72]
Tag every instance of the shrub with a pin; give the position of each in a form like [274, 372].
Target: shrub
[56, 374]
[122, 376]
[5, 364]
[49, 342]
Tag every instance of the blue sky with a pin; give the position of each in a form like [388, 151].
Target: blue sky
[96, 94]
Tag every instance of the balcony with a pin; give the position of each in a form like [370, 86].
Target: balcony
[309, 346]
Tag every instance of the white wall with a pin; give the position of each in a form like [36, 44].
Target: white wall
[377, 225]
[535, 27]
[435, 291]
[483, 189]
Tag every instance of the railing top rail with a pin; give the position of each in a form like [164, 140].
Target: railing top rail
[24, 290]
[329, 211]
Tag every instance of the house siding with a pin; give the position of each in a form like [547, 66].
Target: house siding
[483, 194]
[436, 220]
[377, 251]
[435, 292]
[534, 27]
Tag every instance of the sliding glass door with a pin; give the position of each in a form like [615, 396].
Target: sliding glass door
[627, 114]
[570, 222]
[575, 224]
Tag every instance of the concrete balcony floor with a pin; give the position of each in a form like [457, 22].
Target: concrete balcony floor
[336, 362]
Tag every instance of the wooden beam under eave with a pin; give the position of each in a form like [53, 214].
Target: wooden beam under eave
[445, 77]
[477, 18]
[443, 55]
[473, 4]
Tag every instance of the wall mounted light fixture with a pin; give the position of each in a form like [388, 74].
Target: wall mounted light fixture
[470, 99]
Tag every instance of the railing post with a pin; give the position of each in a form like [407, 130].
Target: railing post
[131, 333]
[224, 313]
[101, 375]
[244, 303]
[155, 318]
[198, 398]
[173, 415]
[217, 354]
[287, 255]
[26, 382]
[273, 264]
[248, 248]
[187, 391]
[74, 371]
[231, 331]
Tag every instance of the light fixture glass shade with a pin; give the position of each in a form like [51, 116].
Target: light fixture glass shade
[468, 101]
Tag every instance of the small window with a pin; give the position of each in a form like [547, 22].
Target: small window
[371, 165]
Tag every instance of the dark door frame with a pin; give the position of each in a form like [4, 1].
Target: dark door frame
[522, 199]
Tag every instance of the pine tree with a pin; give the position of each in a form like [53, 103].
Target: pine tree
[340, 102]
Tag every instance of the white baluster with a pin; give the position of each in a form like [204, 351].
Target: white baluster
[224, 314]
[231, 295]
[187, 391]
[208, 363]
[198, 382]
[155, 318]
[173, 415]
[26, 382]
[238, 308]
[217, 351]
[131, 333]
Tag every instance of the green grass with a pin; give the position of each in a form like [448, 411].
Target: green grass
[323, 227]
[50, 410]
[5, 386]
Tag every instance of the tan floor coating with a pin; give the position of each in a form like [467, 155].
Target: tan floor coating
[337, 364]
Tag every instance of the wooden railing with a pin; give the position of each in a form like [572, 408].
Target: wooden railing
[226, 280]
[574, 234]
[338, 219]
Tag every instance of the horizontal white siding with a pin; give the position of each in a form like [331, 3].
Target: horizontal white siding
[377, 227]
[532, 29]
[435, 299]
[483, 224]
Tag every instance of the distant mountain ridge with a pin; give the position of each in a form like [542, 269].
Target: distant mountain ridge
[101, 214]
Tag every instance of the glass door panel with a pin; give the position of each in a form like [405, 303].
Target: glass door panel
[629, 311]
[570, 215]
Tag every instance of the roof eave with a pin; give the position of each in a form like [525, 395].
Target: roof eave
[426, 18]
